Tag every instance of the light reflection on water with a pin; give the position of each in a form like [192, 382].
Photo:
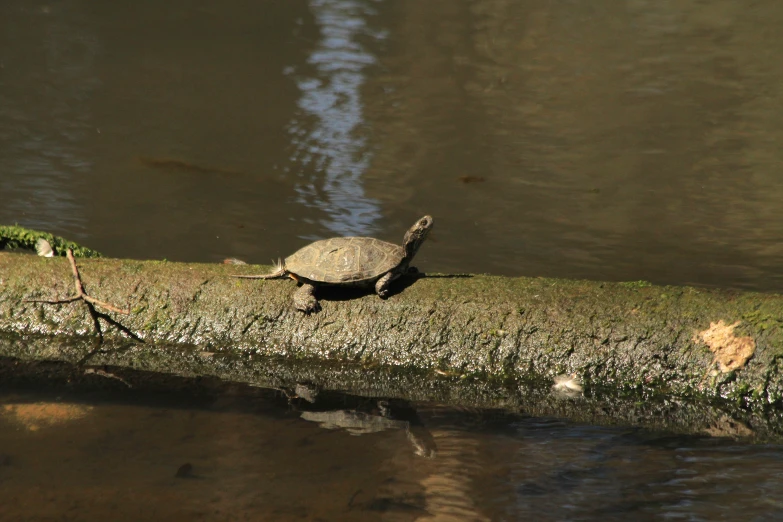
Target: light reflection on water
[328, 134]
[233, 456]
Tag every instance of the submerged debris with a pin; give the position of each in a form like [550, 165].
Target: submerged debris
[184, 471]
[172, 164]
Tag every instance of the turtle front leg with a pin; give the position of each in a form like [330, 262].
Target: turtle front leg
[382, 284]
[305, 300]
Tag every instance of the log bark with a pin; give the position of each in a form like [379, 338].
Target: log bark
[628, 336]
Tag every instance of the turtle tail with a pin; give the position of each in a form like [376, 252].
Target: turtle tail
[279, 271]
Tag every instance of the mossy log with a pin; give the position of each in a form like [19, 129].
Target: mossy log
[674, 341]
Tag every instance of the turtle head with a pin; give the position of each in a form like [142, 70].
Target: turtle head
[415, 236]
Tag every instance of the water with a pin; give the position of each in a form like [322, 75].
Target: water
[615, 140]
[604, 140]
[229, 452]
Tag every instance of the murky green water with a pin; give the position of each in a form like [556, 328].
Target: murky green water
[610, 140]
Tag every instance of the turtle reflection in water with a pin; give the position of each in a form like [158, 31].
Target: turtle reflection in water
[349, 261]
[388, 416]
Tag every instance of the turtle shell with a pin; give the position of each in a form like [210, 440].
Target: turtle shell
[344, 260]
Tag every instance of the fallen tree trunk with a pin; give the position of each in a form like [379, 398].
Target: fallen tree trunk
[630, 336]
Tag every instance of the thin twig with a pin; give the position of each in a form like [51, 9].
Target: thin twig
[80, 288]
[59, 301]
[80, 293]
[90, 303]
[105, 305]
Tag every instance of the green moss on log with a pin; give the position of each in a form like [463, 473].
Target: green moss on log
[16, 237]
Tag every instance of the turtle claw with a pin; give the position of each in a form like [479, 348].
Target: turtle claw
[309, 307]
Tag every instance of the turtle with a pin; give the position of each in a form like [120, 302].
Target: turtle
[348, 261]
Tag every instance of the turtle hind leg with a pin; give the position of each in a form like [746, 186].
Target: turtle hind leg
[305, 300]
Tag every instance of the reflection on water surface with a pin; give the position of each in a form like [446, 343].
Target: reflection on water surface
[252, 454]
[327, 131]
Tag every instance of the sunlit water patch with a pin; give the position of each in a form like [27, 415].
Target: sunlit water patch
[329, 134]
